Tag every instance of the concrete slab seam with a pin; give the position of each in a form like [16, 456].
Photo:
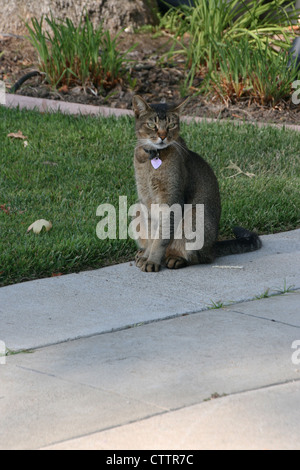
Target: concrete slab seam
[264, 318]
[226, 305]
[174, 409]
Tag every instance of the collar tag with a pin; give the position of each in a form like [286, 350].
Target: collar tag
[156, 162]
[154, 158]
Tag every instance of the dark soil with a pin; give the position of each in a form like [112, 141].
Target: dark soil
[148, 77]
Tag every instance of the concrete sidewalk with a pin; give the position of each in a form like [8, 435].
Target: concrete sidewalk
[122, 359]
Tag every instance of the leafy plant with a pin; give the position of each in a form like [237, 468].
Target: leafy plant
[77, 55]
[201, 30]
[230, 80]
[245, 72]
[271, 78]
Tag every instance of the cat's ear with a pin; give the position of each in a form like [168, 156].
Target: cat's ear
[139, 105]
[180, 107]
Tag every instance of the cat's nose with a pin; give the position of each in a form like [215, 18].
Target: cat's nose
[162, 135]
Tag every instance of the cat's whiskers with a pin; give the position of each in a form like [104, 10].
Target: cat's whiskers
[146, 143]
[179, 146]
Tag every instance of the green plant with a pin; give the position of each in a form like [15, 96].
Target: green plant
[271, 78]
[215, 305]
[264, 295]
[229, 80]
[77, 55]
[286, 289]
[253, 73]
[203, 29]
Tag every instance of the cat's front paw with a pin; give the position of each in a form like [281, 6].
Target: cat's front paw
[150, 267]
[139, 258]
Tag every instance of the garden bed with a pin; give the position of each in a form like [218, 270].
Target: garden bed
[147, 77]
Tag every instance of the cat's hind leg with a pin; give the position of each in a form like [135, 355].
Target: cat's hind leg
[176, 255]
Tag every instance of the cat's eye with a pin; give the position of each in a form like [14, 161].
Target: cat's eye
[172, 125]
[151, 125]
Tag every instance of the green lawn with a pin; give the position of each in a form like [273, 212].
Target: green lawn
[73, 164]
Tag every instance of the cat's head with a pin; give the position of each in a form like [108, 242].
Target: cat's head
[157, 125]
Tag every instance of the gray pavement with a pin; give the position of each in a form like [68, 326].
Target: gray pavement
[119, 359]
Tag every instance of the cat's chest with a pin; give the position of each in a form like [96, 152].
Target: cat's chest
[151, 183]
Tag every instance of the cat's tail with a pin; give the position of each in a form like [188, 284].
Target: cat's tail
[244, 242]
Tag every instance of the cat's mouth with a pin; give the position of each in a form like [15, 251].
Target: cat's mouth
[161, 145]
[155, 145]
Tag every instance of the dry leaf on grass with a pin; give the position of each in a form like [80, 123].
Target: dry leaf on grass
[38, 225]
[5, 208]
[47, 162]
[17, 135]
[233, 166]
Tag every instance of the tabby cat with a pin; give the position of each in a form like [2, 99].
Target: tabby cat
[168, 173]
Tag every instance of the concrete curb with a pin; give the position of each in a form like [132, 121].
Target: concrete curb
[46, 105]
